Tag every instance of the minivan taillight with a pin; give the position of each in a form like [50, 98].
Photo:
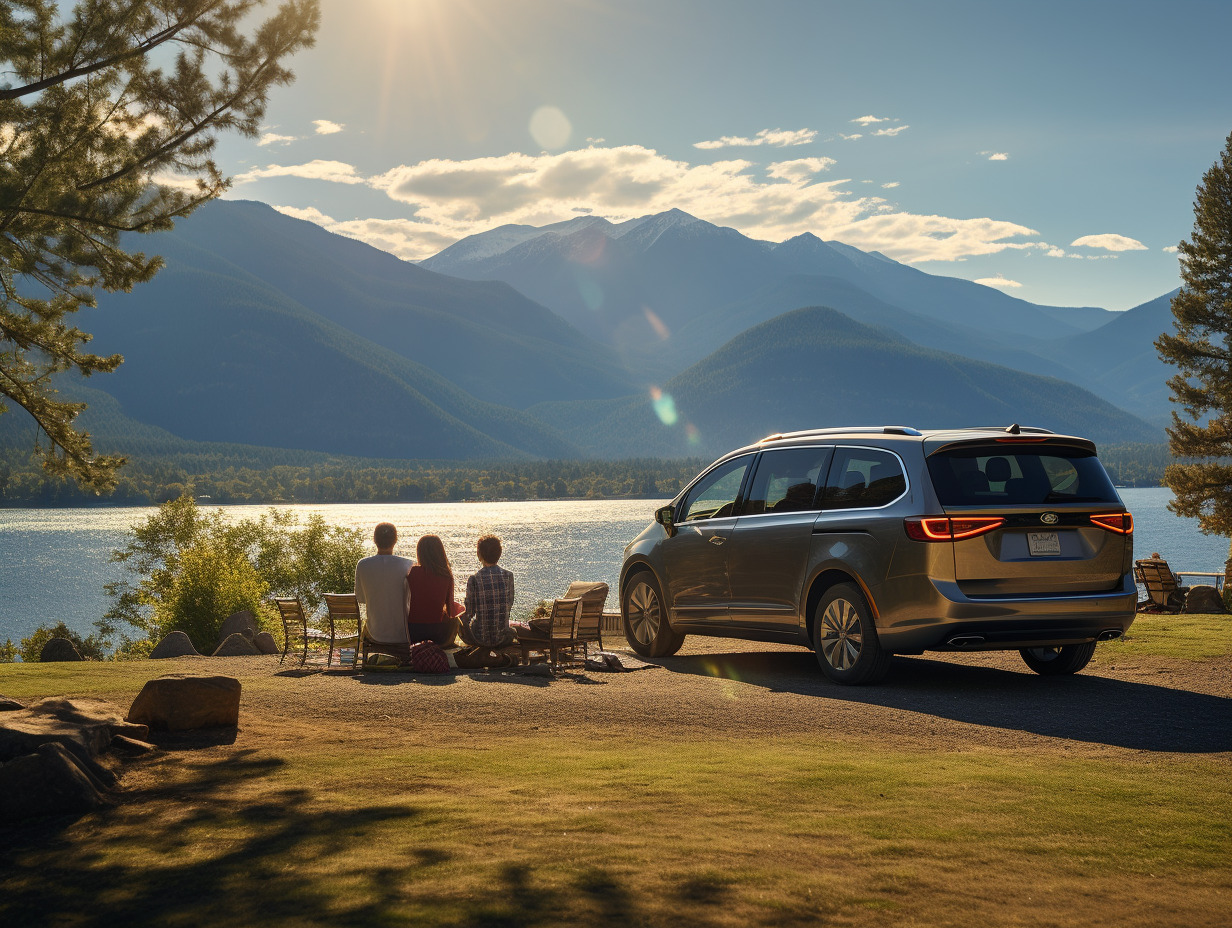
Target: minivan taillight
[1120, 522]
[946, 528]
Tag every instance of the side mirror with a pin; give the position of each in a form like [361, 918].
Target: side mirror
[664, 517]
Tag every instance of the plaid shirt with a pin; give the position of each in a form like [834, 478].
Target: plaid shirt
[489, 598]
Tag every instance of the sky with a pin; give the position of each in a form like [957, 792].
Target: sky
[1048, 149]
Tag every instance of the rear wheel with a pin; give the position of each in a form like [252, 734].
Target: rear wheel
[645, 618]
[1060, 660]
[845, 638]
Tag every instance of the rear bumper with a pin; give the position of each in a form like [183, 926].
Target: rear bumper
[955, 622]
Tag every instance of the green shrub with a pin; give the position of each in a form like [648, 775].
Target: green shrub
[92, 648]
[8, 652]
[133, 649]
[191, 569]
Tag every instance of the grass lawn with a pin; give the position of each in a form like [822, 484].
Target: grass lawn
[305, 822]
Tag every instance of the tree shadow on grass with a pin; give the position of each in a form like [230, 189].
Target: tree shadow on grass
[187, 850]
[1082, 707]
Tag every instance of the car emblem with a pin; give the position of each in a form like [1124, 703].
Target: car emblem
[1049, 518]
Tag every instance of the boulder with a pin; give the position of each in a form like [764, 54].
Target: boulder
[83, 726]
[59, 649]
[266, 644]
[1204, 599]
[176, 644]
[51, 781]
[236, 646]
[183, 702]
[241, 623]
[9, 705]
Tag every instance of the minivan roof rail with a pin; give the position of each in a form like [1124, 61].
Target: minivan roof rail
[860, 429]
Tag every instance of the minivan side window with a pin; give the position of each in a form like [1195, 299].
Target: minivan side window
[862, 478]
[786, 480]
[715, 494]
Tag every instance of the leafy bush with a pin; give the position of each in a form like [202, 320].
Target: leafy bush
[8, 652]
[92, 648]
[194, 568]
[133, 650]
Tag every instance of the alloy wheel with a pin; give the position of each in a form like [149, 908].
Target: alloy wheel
[644, 613]
[842, 635]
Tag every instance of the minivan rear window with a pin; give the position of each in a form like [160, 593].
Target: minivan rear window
[1043, 475]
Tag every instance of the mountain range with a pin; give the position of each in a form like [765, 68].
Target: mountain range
[661, 336]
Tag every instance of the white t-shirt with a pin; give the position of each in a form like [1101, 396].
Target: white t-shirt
[380, 583]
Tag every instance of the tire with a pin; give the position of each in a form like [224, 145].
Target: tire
[645, 618]
[1058, 661]
[845, 638]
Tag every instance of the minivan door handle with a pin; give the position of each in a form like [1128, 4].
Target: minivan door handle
[717, 539]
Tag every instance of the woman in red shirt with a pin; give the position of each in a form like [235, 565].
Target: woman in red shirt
[431, 614]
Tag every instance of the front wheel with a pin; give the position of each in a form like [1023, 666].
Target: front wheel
[645, 618]
[845, 638]
[1060, 660]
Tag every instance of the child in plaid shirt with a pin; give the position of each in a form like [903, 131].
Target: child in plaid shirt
[489, 599]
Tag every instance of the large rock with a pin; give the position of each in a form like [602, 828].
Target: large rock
[84, 726]
[236, 646]
[176, 644]
[9, 705]
[266, 644]
[183, 702]
[59, 649]
[1204, 599]
[240, 623]
[51, 781]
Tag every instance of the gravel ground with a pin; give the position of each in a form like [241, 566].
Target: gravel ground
[724, 687]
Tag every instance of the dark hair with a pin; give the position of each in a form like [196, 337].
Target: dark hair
[430, 552]
[385, 535]
[489, 549]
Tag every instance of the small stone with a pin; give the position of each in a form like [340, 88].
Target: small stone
[1205, 600]
[131, 745]
[176, 644]
[9, 705]
[236, 646]
[266, 644]
[240, 623]
[183, 702]
[59, 649]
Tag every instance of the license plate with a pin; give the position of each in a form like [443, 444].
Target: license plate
[1044, 544]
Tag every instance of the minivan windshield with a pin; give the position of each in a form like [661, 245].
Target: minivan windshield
[1019, 476]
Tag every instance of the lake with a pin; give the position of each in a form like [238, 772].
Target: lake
[54, 562]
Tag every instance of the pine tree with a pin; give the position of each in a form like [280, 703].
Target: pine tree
[107, 122]
[1201, 349]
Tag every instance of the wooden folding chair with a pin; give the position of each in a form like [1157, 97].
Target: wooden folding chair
[343, 613]
[560, 636]
[1163, 590]
[590, 622]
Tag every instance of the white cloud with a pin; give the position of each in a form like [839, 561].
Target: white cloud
[338, 172]
[327, 127]
[998, 281]
[892, 184]
[1171, 249]
[778, 138]
[1109, 242]
[273, 138]
[869, 120]
[1055, 252]
[894, 130]
[452, 199]
[852, 137]
[999, 156]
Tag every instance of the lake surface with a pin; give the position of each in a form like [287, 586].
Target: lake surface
[54, 562]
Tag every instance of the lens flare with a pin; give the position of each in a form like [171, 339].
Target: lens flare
[589, 289]
[659, 326]
[550, 127]
[691, 433]
[664, 406]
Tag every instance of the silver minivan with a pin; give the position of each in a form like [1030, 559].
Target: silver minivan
[862, 543]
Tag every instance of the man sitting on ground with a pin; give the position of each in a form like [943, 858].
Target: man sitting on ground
[380, 583]
[489, 599]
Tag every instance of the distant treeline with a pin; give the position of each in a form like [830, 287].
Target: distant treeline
[148, 482]
[294, 477]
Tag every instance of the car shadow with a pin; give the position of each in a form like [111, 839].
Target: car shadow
[1083, 707]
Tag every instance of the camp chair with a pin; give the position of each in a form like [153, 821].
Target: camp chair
[1163, 591]
[295, 626]
[590, 622]
[560, 635]
[343, 612]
